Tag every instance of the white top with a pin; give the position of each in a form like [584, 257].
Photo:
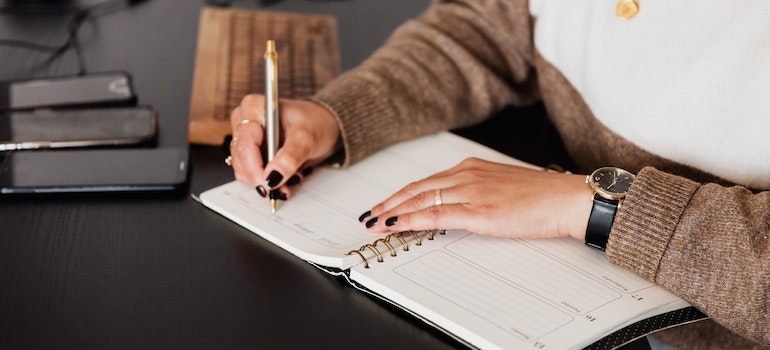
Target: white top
[686, 80]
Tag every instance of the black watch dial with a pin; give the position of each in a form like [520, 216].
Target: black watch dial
[611, 183]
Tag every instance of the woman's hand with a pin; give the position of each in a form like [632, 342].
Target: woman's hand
[309, 135]
[488, 198]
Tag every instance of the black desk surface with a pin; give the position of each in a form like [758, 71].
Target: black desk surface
[164, 272]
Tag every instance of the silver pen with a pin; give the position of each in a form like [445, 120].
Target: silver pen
[272, 127]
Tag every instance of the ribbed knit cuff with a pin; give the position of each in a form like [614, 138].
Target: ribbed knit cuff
[358, 105]
[647, 219]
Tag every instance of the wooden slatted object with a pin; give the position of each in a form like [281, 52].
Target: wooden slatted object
[228, 62]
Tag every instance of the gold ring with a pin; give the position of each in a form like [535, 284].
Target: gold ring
[246, 121]
[229, 160]
[437, 197]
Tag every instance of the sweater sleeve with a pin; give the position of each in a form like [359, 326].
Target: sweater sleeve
[458, 63]
[706, 243]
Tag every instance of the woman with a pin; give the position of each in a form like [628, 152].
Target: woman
[673, 92]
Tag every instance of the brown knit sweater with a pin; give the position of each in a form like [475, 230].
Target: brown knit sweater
[692, 232]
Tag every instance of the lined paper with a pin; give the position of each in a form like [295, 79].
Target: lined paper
[499, 302]
[510, 293]
[320, 223]
[555, 281]
[494, 293]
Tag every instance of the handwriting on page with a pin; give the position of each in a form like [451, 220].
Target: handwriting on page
[325, 207]
[302, 217]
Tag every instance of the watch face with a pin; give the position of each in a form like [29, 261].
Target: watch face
[611, 183]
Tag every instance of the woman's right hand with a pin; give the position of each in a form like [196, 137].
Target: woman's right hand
[309, 135]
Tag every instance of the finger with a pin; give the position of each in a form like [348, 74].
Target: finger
[289, 158]
[462, 172]
[445, 217]
[247, 158]
[252, 106]
[286, 190]
[297, 178]
[416, 195]
[235, 117]
[422, 201]
[247, 163]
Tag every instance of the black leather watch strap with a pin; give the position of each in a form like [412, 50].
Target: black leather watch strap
[600, 222]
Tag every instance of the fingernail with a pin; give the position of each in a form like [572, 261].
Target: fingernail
[307, 171]
[371, 223]
[293, 180]
[261, 190]
[274, 179]
[391, 221]
[276, 194]
[365, 216]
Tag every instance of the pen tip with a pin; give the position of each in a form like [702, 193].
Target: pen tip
[270, 45]
[273, 205]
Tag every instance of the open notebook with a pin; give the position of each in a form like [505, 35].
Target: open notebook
[487, 292]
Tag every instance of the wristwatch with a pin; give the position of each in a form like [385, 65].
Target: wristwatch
[610, 186]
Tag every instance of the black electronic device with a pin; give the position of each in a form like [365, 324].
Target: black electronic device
[94, 170]
[48, 6]
[41, 129]
[89, 90]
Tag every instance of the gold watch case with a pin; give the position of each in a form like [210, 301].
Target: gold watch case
[610, 182]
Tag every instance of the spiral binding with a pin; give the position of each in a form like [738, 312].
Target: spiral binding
[401, 237]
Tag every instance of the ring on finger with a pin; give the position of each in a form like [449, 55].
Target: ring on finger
[229, 160]
[437, 200]
[233, 141]
[247, 121]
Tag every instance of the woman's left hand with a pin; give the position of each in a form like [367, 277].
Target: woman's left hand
[488, 198]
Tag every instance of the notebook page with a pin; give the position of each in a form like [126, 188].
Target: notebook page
[320, 223]
[505, 293]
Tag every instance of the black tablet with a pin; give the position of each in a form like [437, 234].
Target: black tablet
[93, 170]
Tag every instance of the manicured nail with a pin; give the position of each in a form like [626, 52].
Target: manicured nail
[274, 179]
[293, 180]
[371, 223]
[307, 171]
[365, 216]
[276, 194]
[391, 221]
[261, 190]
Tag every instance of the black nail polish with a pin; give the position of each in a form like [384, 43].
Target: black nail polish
[293, 180]
[365, 216]
[307, 171]
[371, 223]
[261, 190]
[391, 221]
[276, 194]
[274, 179]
